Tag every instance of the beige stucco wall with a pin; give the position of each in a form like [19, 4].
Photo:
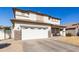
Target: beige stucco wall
[72, 31]
[35, 17]
[20, 15]
[18, 27]
[7, 34]
[1, 34]
[32, 16]
[4, 34]
[63, 32]
[46, 19]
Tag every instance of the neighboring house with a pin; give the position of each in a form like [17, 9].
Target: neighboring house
[5, 32]
[73, 29]
[35, 25]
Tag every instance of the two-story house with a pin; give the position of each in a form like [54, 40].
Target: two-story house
[35, 25]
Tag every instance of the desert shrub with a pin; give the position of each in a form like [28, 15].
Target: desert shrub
[68, 34]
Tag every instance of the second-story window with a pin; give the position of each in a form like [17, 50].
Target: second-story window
[25, 14]
[54, 20]
[22, 14]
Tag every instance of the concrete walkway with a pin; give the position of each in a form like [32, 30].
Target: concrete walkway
[48, 45]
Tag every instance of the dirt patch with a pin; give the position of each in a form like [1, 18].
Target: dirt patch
[71, 40]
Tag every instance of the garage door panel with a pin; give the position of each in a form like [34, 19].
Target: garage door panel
[35, 33]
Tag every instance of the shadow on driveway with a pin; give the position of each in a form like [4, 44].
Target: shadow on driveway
[4, 45]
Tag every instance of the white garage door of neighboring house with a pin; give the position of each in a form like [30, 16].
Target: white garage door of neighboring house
[34, 33]
[1, 34]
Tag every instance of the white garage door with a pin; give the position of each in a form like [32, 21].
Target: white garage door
[34, 33]
[1, 34]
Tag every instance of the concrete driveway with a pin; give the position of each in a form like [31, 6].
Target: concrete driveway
[48, 45]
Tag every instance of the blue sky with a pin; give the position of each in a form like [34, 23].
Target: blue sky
[67, 14]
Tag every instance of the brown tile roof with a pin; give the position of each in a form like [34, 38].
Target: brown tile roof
[72, 26]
